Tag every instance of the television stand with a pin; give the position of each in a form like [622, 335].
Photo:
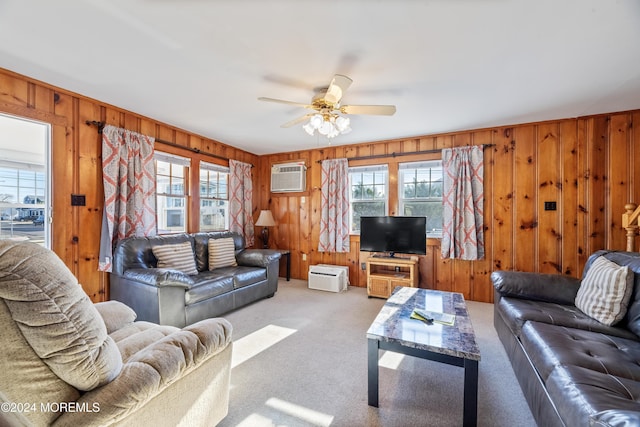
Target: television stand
[386, 255]
[385, 273]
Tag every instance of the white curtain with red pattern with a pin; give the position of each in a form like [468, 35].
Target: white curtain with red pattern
[240, 206]
[129, 179]
[334, 214]
[463, 203]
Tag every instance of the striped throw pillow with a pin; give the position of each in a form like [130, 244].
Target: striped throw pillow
[177, 256]
[222, 253]
[605, 291]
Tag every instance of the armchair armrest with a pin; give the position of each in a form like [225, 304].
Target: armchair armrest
[536, 286]
[150, 372]
[115, 314]
[159, 277]
[257, 257]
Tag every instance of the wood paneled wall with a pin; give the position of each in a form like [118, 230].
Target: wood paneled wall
[77, 165]
[588, 166]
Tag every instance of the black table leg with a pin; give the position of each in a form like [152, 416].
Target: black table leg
[288, 266]
[372, 357]
[470, 408]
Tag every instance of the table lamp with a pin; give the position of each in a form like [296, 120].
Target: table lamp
[265, 220]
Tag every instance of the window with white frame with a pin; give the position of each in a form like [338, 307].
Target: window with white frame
[214, 197]
[368, 193]
[420, 192]
[171, 192]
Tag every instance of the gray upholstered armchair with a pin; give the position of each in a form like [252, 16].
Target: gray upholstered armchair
[68, 362]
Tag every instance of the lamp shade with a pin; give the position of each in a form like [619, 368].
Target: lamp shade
[265, 219]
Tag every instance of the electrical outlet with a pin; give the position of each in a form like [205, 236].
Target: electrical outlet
[363, 265]
[78, 200]
[304, 257]
[549, 206]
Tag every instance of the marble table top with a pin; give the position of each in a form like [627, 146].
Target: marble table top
[393, 323]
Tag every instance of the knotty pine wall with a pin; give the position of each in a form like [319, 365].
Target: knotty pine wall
[588, 166]
[76, 165]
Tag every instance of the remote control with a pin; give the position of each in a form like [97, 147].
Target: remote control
[424, 315]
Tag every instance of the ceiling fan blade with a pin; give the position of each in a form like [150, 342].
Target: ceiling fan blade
[379, 110]
[296, 121]
[282, 101]
[338, 86]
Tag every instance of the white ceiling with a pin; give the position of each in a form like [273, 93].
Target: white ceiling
[447, 65]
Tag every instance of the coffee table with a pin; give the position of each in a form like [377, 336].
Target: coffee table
[456, 345]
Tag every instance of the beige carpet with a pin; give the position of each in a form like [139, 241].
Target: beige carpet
[300, 359]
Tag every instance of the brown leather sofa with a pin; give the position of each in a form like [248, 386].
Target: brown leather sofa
[573, 370]
[171, 297]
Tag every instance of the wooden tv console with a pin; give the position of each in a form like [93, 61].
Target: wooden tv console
[385, 273]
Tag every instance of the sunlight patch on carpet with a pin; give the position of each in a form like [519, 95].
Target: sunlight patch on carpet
[390, 360]
[305, 414]
[256, 420]
[256, 342]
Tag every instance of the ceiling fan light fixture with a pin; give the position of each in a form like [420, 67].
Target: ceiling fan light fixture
[309, 129]
[334, 132]
[316, 121]
[327, 124]
[326, 128]
[342, 123]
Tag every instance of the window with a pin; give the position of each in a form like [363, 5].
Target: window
[24, 180]
[420, 192]
[171, 192]
[214, 197]
[368, 193]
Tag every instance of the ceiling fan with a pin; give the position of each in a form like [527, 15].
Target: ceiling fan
[326, 105]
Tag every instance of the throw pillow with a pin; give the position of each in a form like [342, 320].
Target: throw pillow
[605, 291]
[222, 253]
[178, 256]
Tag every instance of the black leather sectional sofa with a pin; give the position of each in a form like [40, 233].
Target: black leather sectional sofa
[573, 370]
[170, 297]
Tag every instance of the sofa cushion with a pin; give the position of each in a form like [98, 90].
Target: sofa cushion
[582, 396]
[221, 253]
[605, 291]
[549, 346]
[56, 317]
[213, 284]
[516, 312]
[136, 252]
[244, 276]
[557, 288]
[178, 256]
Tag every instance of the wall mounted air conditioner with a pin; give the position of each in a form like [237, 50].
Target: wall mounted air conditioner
[288, 177]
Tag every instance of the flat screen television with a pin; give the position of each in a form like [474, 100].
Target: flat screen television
[394, 234]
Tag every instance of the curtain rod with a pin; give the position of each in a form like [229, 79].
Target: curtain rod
[408, 153]
[100, 126]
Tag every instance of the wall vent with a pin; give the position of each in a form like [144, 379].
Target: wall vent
[288, 177]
